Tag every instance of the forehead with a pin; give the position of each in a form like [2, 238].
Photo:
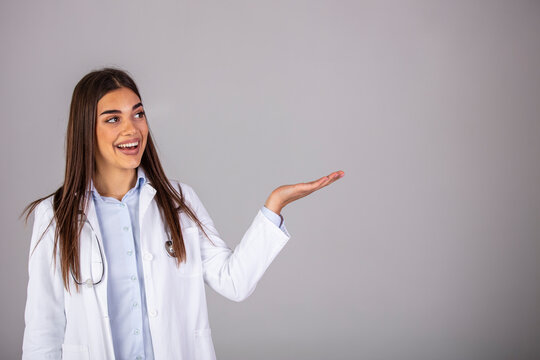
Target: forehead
[118, 99]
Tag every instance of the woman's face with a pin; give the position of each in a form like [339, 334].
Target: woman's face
[121, 131]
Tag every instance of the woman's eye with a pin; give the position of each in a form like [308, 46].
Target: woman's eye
[112, 120]
[140, 114]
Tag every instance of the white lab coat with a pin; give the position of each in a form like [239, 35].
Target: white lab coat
[76, 326]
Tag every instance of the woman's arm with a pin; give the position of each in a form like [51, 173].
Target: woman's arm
[235, 274]
[44, 314]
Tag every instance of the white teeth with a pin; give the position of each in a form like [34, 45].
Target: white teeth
[128, 145]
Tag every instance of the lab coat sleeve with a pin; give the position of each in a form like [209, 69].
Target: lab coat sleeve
[274, 218]
[44, 313]
[234, 274]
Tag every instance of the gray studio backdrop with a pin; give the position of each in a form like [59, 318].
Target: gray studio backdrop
[428, 248]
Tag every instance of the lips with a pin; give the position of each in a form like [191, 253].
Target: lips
[129, 147]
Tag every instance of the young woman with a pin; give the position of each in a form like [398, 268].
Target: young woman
[119, 254]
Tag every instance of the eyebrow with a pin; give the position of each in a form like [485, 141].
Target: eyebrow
[118, 111]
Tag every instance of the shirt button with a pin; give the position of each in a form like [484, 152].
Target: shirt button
[148, 256]
[135, 304]
[125, 228]
[136, 332]
[153, 313]
[133, 277]
[122, 205]
[129, 252]
[138, 358]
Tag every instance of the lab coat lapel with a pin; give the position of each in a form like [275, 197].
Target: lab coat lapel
[96, 296]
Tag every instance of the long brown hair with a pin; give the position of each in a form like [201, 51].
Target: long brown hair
[71, 197]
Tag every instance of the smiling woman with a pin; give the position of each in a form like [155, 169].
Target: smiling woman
[136, 247]
[121, 134]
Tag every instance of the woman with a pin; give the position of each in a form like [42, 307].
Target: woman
[120, 254]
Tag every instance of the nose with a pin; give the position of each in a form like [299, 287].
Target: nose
[129, 127]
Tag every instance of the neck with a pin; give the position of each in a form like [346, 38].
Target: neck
[114, 183]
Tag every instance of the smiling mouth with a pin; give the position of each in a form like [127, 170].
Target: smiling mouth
[128, 146]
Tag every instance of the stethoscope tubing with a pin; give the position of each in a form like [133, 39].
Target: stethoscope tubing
[90, 281]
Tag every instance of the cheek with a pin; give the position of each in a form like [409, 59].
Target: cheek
[144, 132]
[103, 140]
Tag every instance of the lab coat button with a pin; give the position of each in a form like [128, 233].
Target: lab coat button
[148, 256]
[153, 313]
[125, 228]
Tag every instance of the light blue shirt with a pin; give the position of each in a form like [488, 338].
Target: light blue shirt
[119, 223]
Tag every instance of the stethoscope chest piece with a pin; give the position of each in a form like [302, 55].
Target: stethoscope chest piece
[169, 248]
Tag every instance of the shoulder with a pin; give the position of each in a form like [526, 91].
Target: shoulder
[186, 189]
[44, 223]
[44, 211]
[188, 193]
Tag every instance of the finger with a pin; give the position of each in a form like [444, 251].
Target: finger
[325, 180]
[304, 189]
[318, 181]
[337, 175]
[333, 177]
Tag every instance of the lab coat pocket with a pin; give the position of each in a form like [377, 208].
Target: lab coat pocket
[75, 352]
[192, 267]
[204, 348]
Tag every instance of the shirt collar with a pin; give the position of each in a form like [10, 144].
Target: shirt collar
[141, 180]
[141, 177]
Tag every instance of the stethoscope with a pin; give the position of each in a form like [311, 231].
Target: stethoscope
[90, 282]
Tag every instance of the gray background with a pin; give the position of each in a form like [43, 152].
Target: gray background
[428, 248]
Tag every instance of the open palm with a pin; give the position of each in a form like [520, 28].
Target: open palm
[286, 194]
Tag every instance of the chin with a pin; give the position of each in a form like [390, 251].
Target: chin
[130, 165]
